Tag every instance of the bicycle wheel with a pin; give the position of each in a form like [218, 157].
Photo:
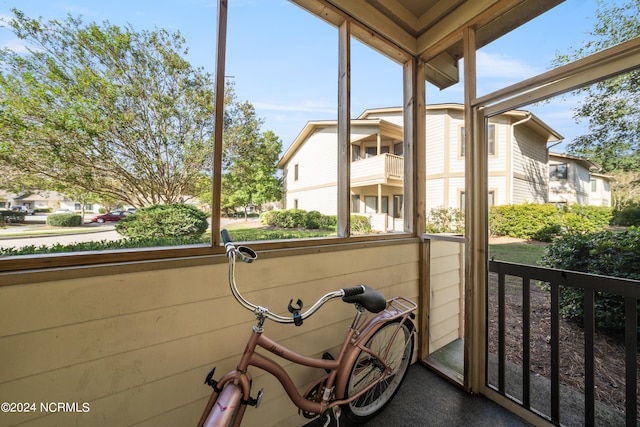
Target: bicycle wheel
[396, 350]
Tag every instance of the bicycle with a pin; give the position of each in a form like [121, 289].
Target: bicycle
[372, 363]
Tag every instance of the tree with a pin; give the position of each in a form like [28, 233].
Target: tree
[249, 161]
[611, 107]
[105, 110]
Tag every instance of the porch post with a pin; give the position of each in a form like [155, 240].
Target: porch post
[414, 146]
[216, 184]
[475, 226]
[344, 129]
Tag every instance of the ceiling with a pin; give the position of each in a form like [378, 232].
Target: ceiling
[429, 29]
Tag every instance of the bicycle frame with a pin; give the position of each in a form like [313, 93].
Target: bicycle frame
[234, 388]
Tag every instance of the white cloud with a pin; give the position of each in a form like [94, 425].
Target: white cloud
[312, 107]
[16, 45]
[499, 66]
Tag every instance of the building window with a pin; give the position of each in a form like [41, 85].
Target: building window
[558, 172]
[398, 206]
[594, 185]
[355, 153]
[295, 172]
[491, 199]
[491, 140]
[355, 203]
[371, 204]
[398, 149]
[385, 204]
[295, 203]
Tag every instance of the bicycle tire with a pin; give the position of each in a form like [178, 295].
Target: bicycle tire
[367, 369]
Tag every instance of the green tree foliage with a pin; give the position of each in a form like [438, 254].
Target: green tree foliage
[611, 107]
[105, 110]
[249, 161]
[164, 221]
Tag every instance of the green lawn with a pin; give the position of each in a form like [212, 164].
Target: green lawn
[522, 253]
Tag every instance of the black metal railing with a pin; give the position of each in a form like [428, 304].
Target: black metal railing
[591, 284]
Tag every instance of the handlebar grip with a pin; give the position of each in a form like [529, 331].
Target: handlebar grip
[226, 238]
[356, 290]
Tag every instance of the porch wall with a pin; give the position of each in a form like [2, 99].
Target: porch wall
[446, 278]
[136, 346]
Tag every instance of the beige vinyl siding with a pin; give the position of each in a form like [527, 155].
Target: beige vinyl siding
[530, 172]
[498, 184]
[137, 346]
[435, 193]
[446, 317]
[435, 146]
[315, 188]
[582, 181]
[452, 132]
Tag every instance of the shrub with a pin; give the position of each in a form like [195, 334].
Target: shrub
[606, 253]
[313, 220]
[11, 216]
[599, 216]
[291, 218]
[269, 217]
[526, 221]
[443, 220]
[360, 224]
[628, 216]
[64, 220]
[166, 221]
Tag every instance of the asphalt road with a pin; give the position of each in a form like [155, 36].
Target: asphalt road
[98, 232]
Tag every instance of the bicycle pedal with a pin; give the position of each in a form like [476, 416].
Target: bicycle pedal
[327, 356]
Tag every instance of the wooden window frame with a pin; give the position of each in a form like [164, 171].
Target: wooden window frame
[413, 95]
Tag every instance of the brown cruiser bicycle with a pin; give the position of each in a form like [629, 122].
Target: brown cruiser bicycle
[372, 363]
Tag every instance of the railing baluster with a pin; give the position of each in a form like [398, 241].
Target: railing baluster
[627, 288]
[526, 342]
[501, 333]
[631, 346]
[589, 382]
[555, 352]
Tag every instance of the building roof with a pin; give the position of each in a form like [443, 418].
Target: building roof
[588, 164]
[394, 130]
[383, 126]
[534, 122]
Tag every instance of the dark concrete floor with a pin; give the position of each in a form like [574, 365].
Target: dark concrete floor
[425, 399]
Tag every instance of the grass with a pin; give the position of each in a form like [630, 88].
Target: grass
[522, 253]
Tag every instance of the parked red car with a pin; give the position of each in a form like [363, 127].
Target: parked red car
[111, 216]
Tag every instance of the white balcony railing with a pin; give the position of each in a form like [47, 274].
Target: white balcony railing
[377, 169]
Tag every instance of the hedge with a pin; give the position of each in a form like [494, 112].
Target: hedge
[64, 220]
[544, 221]
[313, 220]
[607, 253]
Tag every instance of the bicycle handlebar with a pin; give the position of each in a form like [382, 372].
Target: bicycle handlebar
[248, 255]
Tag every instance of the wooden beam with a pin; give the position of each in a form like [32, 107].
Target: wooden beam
[344, 130]
[221, 52]
[475, 226]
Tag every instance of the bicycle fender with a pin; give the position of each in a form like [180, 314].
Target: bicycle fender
[225, 407]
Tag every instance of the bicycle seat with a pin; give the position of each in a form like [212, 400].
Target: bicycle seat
[370, 299]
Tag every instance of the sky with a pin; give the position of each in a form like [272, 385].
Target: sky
[284, 61]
